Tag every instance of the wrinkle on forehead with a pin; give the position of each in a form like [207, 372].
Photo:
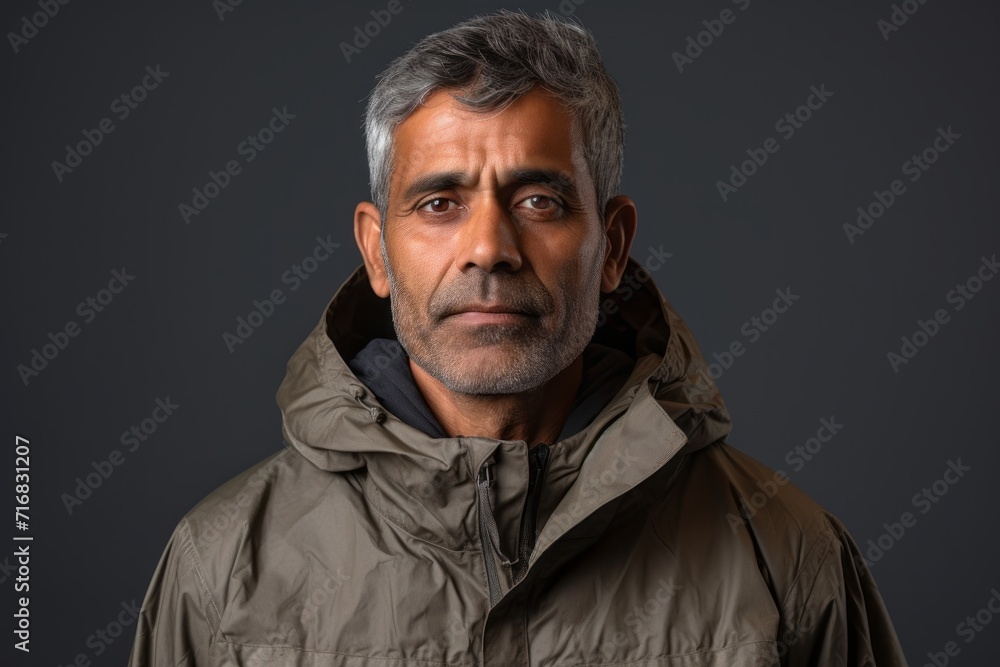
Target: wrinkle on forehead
[534, 131]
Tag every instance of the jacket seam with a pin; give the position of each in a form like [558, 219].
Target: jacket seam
[324, 374]
[670, 656]
[813, 563]
[295, 649]
[192, 551]
[823, 546]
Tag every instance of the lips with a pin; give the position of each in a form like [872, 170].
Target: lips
[490, 314]
[490, 308]
[495, 295]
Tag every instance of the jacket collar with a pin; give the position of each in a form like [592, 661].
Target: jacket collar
[426, 485]
[384, 367]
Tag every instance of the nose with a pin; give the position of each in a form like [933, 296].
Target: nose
[489, 239]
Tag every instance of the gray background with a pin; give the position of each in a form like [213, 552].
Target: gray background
[826, 357]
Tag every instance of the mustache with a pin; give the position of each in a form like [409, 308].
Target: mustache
[516, 293]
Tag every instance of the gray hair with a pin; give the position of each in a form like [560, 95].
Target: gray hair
[494, 59]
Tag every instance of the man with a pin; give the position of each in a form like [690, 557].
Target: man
[504, 447]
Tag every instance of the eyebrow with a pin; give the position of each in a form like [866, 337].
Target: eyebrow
[557, 180]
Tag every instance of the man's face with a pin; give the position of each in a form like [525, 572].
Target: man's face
[493, 247]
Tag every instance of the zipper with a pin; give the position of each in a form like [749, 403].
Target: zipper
[488, 531]
[537, 459]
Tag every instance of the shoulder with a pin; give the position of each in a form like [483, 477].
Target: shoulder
[758, 495]
[762, 513]
[270, 504]
[264, 513]
[242, 496]
[264, 498]
[822, 587]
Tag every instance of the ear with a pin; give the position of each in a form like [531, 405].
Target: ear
[368, 234]
[620, 218]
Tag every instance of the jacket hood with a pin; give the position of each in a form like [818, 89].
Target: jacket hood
[334, 421]
[383, 545]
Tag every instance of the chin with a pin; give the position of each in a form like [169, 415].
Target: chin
[491, 386]
[492, 377]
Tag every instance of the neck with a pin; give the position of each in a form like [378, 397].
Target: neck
[535, 416]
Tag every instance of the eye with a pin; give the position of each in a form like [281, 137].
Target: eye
[437, 205]
[541, 207]
[541, 203]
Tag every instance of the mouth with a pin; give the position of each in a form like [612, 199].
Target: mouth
[486, 313]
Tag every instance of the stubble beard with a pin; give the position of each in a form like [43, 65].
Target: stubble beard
[525, 355]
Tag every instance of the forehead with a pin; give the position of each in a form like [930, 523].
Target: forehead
[534, 131]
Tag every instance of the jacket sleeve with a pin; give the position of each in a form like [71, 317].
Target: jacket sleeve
[835, 616]
[174, 628]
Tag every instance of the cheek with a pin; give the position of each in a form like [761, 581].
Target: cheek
[418, 268]
[570, 275]
[418, 245]
[576, 259]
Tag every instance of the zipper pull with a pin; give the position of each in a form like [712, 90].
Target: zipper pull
[488, 532]
[487, 480]
[486, 474]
